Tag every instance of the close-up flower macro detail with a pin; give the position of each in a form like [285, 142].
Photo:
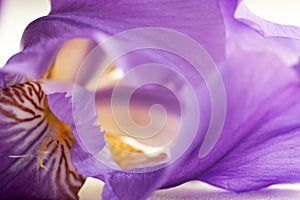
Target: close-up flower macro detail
[152, 99]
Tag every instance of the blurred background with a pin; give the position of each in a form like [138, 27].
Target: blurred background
[17, 14]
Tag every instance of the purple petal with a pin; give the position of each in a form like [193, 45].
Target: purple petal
[86, 19]
[59, 96]
[113, 186]
[79, 112]
[262, 118]
[118, 185]
[34, 62]
[255, 124]
[114, 17]
[241, 36]
[9, 79]
[259, 143]
[35, 148]
[121, 184]
[297, 67]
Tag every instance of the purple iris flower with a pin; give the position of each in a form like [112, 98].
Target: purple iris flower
[56, 126]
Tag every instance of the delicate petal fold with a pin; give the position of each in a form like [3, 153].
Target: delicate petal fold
[241, 36]
[35, 61]
[124, 186]
[266, 28]
[35, 148]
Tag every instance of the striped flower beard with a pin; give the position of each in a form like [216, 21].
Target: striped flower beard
[34, 141]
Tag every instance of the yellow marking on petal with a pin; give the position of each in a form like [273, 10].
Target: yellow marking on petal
[129, 153]
[62, 132]
[48, 141]
[117, 144]
[42, 154]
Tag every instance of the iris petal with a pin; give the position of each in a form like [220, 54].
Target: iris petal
[262, 113]
[9, 79]
[35, 147]
[130, 14]
[259, 145]
[241, 35]
[87, 19]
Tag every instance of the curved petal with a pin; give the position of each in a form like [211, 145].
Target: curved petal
[269, 110]
[118, 183]
[259, 143]
[240, 36]
[113, 186]
[9, 79]
[112, 17]
[35, 61]
[59, 96]
[79, 114]
[252, 66]
[35, 148]
[262, 113]
[201, 20]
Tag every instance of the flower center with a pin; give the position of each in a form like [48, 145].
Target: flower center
[126, 152]
[60, 133]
